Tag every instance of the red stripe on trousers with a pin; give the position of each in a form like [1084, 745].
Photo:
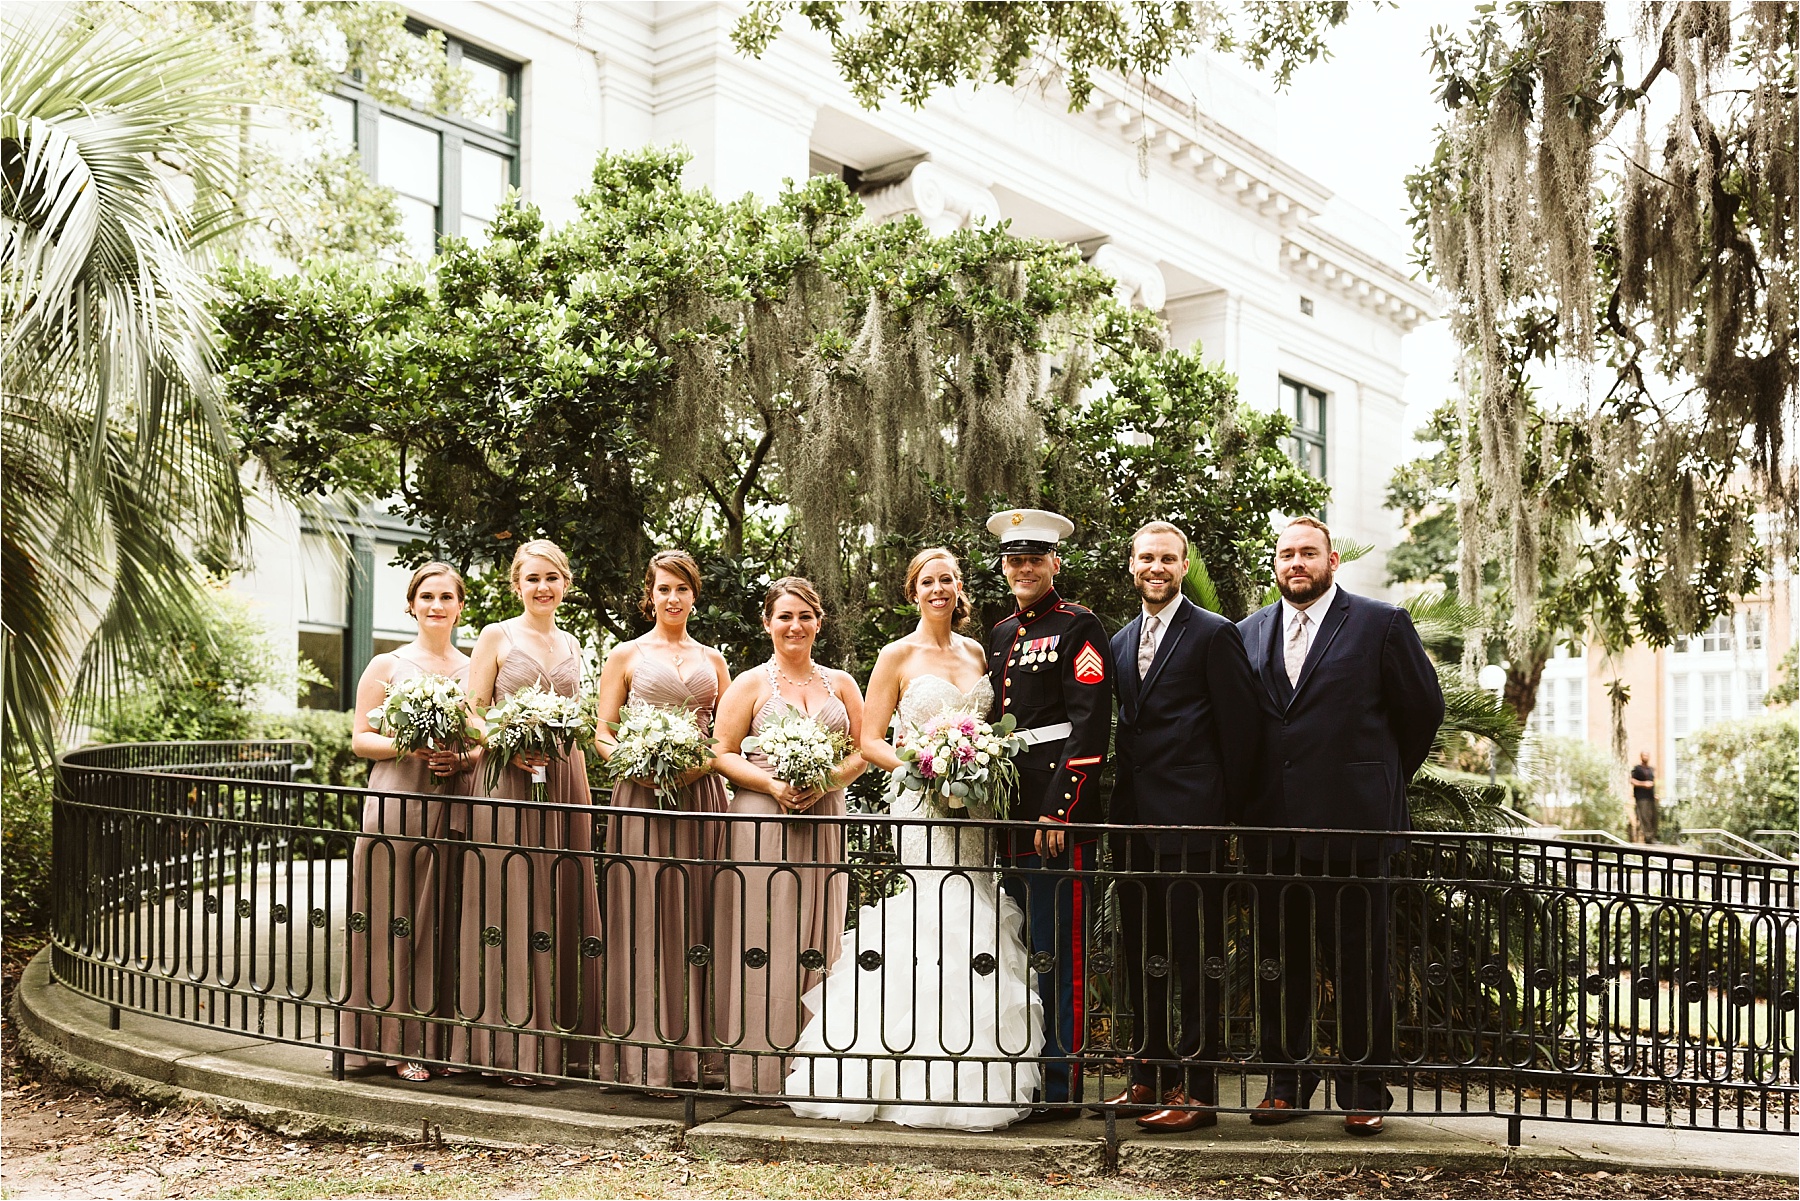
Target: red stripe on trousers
[1079, 1034]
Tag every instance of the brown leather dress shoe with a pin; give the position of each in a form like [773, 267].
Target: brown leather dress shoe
[1363, 1124]
[1173, 1120]
[1273, 1111]
[1133, 1096]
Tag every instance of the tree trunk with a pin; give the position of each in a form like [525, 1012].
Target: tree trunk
[1522, 680]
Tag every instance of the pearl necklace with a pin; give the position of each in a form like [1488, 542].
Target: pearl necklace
[776, 672]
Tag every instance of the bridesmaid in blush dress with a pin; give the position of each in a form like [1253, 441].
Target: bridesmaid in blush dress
[401, 869]
[782, 895]
[529, 898]
[658, 872]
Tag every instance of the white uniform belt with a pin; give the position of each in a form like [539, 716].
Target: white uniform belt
[1061, 729]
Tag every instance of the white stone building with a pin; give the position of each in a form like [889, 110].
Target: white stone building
[1180, 198]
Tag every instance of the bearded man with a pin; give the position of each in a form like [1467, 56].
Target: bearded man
[1350, 705]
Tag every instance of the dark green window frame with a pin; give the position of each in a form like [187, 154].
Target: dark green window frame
[1307, 409]
[453, 132]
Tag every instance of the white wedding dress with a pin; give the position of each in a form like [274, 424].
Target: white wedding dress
[927, 1022]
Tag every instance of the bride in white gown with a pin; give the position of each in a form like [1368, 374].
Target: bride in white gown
[931, 997]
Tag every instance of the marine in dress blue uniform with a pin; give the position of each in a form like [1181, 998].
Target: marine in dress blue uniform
[1051, 668]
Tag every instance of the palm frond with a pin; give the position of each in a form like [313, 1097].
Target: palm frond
[1441, 799]
[1200, 587]
[1473, 712]
[120, 167]
[1440, 618]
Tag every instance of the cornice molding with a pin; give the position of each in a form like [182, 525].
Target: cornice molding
[1172, 130]
[1340, 269]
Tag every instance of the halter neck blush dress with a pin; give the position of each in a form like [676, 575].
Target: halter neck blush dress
[401, 872]
[657, 882]
[530, 903]
[781, 900]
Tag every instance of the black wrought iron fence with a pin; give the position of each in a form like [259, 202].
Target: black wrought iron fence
[820, 960]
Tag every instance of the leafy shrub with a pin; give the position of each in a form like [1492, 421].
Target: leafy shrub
[203, 683]
[1575, 785]
[329, 732]
[25, 895]
[1741, 775]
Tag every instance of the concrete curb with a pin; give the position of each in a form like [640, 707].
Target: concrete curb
[288, 1089]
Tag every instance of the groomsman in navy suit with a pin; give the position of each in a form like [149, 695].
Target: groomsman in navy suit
[1186, 754]
[1350, 707]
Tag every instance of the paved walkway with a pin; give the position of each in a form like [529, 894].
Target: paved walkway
[290, 1088]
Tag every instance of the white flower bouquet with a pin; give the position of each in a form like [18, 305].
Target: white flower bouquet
[426, 712]
[534, 720]
[800, 749]
[657, 744]
[959, 762]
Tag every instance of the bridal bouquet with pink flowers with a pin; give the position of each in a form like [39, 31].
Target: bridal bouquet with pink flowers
[960, 762]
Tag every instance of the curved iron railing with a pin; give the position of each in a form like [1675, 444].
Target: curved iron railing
[1531, 978]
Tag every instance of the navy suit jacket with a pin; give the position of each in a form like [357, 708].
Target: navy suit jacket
[1341, 745]
[1189, 732]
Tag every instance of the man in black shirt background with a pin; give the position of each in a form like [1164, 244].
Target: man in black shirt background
[1643, 793]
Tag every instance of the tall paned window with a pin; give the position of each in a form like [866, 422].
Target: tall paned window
[448, 172]
[1305, 407]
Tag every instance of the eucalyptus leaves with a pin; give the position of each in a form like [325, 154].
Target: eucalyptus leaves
[801, 750]
[657, 744]
[533, 720]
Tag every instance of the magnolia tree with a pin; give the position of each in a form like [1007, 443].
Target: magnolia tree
[780, 386]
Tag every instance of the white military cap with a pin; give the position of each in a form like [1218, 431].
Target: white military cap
[1029, 531]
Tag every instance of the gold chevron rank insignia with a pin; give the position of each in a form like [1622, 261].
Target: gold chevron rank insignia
[1090, 668]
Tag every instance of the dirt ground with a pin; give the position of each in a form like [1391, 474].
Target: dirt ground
[59, 1141]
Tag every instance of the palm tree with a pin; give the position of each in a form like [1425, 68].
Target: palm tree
[120, 154]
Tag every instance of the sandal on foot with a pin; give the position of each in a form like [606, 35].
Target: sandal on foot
[413, 1070]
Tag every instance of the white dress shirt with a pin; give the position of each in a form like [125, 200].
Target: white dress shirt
[1162, 621]
[1315, 613]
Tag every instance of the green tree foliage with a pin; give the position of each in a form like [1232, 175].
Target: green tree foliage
[1581, 587]
[304, 197]
[912, 49]
[1167, 440]
[777, 386]
[209, 675]
[25, 893]
[139, 142]
[1659, 264]
[1742, 775]
[1787, 689]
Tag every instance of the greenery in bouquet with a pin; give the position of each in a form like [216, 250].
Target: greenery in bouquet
[800, 750]
[657, 744]
[960, 762]
[534, 721]
[428, 712]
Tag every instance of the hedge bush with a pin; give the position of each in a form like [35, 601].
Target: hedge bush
[1575, 785]
[25, 896]
[1741, 775]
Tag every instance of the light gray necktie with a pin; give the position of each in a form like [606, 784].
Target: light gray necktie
[1296, 648]
[1147, 644]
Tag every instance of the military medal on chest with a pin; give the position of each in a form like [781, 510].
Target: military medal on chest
[1036, 652]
